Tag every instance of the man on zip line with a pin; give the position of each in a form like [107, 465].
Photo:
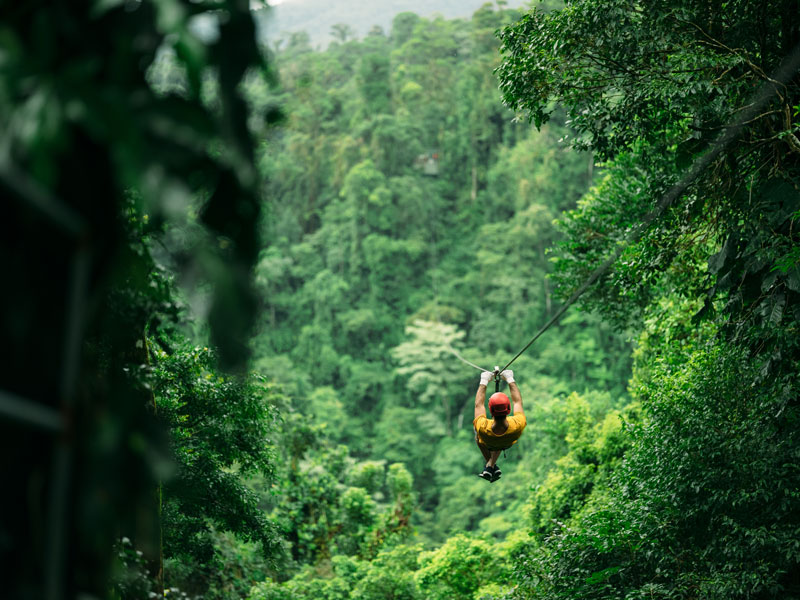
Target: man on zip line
[503, 431]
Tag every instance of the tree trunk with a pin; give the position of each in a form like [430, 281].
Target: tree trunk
[473, 193]
[548, 300]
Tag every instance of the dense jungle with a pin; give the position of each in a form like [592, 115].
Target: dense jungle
[251, 285]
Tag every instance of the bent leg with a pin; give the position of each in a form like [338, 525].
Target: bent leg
[492, 458]
[484, 450]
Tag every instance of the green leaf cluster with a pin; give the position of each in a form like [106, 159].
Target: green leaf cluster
[93, 158]
[700, 502]
[377, 269]
[221, 431]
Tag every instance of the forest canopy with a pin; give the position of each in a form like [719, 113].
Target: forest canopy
[242, 277]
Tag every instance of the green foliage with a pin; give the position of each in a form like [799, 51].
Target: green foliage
[377, 269]
[301, 587]
[327, 407]
[241, 565]
[390, 574]
[430, 369]
[457, 569]
[373, 76]
[586, 54]
[221, 431]
[653, 130]
[582, 474]
[327, 504]
[699, 506]
[85, 135]
[129, 576]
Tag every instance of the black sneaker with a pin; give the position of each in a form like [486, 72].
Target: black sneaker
[496, 474]
[487, 474]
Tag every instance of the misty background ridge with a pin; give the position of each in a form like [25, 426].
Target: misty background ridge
[316, 17]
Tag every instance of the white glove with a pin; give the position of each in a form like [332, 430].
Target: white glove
[486, 377]
[508, 375]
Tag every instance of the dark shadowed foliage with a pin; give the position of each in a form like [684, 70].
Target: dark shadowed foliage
[81, 129]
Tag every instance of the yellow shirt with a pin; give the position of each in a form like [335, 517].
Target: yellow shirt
[493, 441]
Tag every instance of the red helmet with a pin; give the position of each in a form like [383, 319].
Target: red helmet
[499, 404]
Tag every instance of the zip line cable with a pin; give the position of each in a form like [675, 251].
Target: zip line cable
[461, 358]
[788, 68]
[575, 295]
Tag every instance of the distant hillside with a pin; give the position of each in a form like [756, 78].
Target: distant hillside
[316, 17]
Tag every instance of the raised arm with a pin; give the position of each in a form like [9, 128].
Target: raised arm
[480, 396]
[516, 397]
